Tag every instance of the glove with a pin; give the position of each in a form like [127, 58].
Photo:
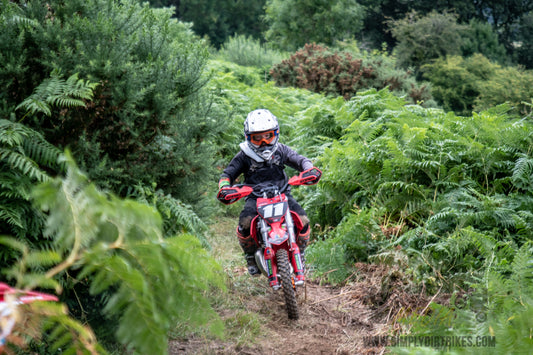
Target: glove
[223, 182]
[221, 195]
[224, 189]
[312, 175]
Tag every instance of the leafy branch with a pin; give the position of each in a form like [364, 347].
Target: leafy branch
[151, 282]
[56, 91]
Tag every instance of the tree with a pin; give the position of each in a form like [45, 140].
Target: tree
[524, 48]
[380, 13]
[293, 23]
[475, 83]
[149, 121]
[504, 15]
[220, 19]
[424, 38]
[480, 37]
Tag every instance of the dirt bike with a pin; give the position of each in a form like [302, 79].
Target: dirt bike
[275, 229]
[10, 299]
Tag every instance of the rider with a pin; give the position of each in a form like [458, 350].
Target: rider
[262, 159]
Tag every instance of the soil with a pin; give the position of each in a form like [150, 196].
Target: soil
[333, 319]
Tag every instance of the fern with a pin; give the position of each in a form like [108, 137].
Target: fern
[56, 91]
[500, 305]
[522, 172]
[150, 282]
[25, 159]
[178, 217]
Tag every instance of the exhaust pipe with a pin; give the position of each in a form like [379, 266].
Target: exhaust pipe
[260, 261]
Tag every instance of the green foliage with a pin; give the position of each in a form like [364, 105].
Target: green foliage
[55, 91]
[422, 39]
[357, 237]
[500, 305]
[509, 84]
[318, 125]
[399, 81]
[149, 118]
[480, 37]
[150, 282]
[25, 159]
[440, 186]
[247, 51]
[454, 81]
[177, 217]
[220, 19]
[294, 23]
[339, 73]
[524, 52]
[471, 84]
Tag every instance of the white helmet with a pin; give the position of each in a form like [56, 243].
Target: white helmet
[261, 130]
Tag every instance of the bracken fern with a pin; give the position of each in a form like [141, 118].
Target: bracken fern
[117, 246]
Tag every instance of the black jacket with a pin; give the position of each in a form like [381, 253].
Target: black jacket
[272, 170]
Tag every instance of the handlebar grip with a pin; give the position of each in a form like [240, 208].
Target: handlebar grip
[230, 194]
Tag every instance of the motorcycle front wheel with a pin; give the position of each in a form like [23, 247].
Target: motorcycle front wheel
[284, 274]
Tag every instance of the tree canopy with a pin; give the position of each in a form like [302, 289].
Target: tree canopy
[293, 23]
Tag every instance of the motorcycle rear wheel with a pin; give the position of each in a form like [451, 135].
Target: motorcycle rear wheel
[284, 273]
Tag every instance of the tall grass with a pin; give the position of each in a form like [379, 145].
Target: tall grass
[247, 51]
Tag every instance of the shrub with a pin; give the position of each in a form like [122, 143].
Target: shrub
[471, 84]
[321, 70]
[331, 72]
[293, 23]
[424, 38]
[148, 120]
[249, 52]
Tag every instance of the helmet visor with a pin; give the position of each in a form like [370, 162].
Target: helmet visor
[263, 137]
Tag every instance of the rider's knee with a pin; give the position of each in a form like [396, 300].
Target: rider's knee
[247, 242]
[244, 225]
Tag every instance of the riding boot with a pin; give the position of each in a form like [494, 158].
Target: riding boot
[249, 247]
[253, 270]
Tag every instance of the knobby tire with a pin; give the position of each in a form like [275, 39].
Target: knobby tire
[284, 273]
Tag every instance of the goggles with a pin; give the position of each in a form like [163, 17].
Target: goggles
[263, 137]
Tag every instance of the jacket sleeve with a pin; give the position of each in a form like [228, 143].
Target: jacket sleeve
[295, 160]
[235, 168]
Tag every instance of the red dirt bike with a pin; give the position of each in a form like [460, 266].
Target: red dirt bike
[275, 229]
[10, 299]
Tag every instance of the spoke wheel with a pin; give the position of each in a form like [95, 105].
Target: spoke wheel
[284, 273]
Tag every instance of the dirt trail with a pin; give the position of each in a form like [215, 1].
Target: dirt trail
[333, 320]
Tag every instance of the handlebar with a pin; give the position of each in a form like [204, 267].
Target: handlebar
[231, 194]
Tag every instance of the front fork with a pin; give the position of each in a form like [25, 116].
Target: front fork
[296, 259]
[294, 255]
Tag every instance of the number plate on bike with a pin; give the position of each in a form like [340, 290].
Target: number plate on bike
[273, 209]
